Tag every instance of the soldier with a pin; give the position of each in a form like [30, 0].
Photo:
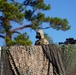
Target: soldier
[41, 40]
[52, 53]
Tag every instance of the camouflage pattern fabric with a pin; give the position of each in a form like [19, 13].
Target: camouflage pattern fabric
[53, 54]
[41, 42]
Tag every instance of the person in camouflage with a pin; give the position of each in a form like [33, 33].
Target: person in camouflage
[41, 39]
[52, 53]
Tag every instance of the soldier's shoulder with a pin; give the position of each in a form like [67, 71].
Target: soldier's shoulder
[36, 42]
[45, 41]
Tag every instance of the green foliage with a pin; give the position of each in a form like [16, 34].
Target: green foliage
[11, 11]
[41, 5]
[28, 10]
[9, 42]
[48, 38]
[38, 18]
[22, 39]
[59, 24]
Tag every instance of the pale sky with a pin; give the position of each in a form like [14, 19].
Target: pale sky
[62, 9]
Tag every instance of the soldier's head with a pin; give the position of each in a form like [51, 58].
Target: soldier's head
[39, 34]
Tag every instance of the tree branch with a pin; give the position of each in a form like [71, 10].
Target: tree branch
[25, 26]
[2, 36]
[16, 32]
[45, 27]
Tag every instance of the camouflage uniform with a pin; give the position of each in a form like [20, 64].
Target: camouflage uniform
[42, 40]
[52, 53]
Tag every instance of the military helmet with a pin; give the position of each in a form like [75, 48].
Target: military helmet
[41, 33]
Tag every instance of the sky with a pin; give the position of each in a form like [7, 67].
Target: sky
[61, 9]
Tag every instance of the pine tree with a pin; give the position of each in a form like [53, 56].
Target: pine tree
[22, 39]
[31, 11]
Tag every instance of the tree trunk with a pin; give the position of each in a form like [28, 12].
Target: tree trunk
[6, 26]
